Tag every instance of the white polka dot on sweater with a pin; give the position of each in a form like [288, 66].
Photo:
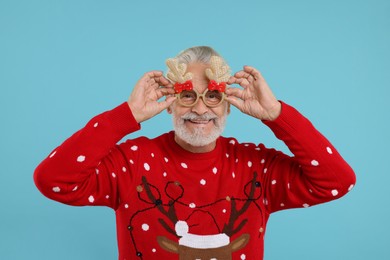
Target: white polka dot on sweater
[107, 196]
[262, 161]
[243, 257]
[215, 170]
[145, 227]
[166, 159]
[123, 169]
[224, 211]
[91, 199]
[329, 150]
[126, 206]
[164, 174]
[154, 250]
[134, 148]
[113, 175]
[203, 181]
[56, 189]
[227, 155]
[273, 182]
[233, 175]
[184, 165]
[314, 163]
[52, 154]
[232, 142]
[249, 164]
[306, 205]
[265, 170]
[131, 161]
[351, 187]
[81, 158]
[96, 124]
[147, 166]
[97, 171]
[152, 154]
[75, 188]
[335, 192]
[192, 205]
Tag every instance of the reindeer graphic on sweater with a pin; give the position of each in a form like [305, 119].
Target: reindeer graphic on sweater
[190, 246]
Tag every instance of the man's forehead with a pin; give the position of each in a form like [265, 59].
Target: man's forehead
[198, 71]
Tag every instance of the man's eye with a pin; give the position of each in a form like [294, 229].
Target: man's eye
[214, 95]
[187, 95]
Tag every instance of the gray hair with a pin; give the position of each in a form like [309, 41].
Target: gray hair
[201, 54]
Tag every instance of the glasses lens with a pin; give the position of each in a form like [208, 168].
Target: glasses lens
[213, 98]
[187, 97]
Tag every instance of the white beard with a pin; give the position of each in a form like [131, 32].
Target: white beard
[198, 137]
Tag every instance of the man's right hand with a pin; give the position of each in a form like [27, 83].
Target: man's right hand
[143, 101]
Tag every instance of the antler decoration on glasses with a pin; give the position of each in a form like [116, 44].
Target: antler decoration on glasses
[218, 74]
[177, 73]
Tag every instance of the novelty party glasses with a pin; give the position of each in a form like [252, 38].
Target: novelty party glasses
[188, 97]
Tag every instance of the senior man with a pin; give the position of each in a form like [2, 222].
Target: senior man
[191, 193]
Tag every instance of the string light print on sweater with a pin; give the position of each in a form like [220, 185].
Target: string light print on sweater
[193, 246]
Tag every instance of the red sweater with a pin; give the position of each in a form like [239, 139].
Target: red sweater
[172, 202]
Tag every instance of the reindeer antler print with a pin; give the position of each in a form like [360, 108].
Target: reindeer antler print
[234, 213]
[171, 213]
[219, 71]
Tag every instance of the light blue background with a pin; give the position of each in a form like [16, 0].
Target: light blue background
[62, 62]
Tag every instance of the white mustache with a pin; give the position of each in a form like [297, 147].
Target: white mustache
[204, 117]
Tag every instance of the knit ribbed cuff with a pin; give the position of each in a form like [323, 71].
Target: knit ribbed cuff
[290, 121]
[122, 119]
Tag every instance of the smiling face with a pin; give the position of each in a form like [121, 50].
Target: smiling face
[198, 127]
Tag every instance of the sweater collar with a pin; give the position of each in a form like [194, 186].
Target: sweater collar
[190, 155]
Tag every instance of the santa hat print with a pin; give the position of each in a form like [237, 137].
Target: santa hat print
[196, 237]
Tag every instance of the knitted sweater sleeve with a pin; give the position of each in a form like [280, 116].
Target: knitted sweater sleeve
[315, 174]
[83, 170]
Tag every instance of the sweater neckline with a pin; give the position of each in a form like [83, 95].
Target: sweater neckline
[190, 155]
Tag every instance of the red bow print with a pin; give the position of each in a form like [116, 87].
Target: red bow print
[179, 87]
[213, 85]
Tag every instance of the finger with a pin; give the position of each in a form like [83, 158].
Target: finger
[154, 87]
[243, 82]
[246, 75]
[231, 80]
[234, 92]
[254, 72]
[166, 103]
[151, 82]
[162, 81]
[166, 91]
[237, 102]
[155, 83]
[153, 74]
[148, 77]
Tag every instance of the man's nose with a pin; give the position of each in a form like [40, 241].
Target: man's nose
[200, 107]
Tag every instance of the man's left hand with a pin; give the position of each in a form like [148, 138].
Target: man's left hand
[255, 98]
